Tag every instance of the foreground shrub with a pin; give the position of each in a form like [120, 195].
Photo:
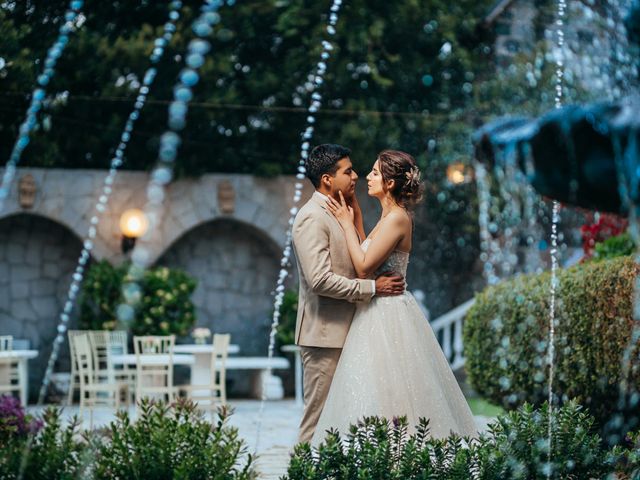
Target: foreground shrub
[53, 452]
[14, 422]
[172, 442]
[167, 442]
[515, 447]
[506, 333]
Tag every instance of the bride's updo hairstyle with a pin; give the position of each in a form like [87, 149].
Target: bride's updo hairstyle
[401, 167]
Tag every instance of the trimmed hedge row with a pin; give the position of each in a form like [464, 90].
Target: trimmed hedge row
[506, 333]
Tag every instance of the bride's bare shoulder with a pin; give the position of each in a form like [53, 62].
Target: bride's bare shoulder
[399, 217]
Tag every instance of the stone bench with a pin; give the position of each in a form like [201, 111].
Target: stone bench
[272, 385]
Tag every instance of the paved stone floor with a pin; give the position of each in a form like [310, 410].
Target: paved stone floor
[278, 431]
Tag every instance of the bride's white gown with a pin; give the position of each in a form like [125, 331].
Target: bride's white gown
[392, 365]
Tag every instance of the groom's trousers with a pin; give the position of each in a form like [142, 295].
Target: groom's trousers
[319, 365]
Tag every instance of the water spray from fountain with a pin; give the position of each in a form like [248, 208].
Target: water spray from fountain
[38, 96]
[555, 220]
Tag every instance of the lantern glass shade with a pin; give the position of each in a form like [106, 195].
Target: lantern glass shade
[134, 223]
[458, 173]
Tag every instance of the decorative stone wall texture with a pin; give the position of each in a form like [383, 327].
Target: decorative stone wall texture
[236, 269]
[37, 258]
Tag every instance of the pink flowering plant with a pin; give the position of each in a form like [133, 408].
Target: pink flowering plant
[13, 420]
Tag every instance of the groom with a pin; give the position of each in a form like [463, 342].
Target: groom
[329, 288]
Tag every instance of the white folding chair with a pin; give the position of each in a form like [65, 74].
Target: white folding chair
[6, 343]
[154, 376]
[74, 379]
[90, 386]
[9, 368]
[118, 345]
[209, 395]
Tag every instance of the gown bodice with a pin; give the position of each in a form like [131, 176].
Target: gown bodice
[396, 262]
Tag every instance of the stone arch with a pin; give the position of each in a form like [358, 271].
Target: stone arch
[236, 265]
[37, 258]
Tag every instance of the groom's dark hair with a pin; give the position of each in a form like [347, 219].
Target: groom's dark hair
[324, 159]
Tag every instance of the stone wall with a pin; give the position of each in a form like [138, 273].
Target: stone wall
[37, 258]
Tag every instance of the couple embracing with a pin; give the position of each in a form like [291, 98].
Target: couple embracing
[366, 346]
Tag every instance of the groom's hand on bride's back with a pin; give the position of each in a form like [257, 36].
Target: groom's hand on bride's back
[388, 284]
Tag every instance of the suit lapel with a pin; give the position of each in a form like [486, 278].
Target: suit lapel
[319, 199]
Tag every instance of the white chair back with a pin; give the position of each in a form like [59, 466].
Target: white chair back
[154, 378]
[10, 378]
[221, 343]
[84, 358]
[74, 380]
[100, 343]
[6, 343]
[118, 342]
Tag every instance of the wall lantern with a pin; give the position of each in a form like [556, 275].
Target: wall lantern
[459, 173]
[133, 224]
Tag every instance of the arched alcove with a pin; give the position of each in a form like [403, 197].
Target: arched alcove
[37, 259]
[236, 266]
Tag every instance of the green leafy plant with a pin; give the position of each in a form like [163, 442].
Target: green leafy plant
[166, 442]
[288, 313]
[166, 305]
[514, 447]
[173, 442]
[380, 448]
[54, 452]
[618, 246]
[517, 444]
[101, 295]
[506, 333]
[164, 308]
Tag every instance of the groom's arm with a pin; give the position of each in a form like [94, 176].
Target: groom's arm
[312, 250]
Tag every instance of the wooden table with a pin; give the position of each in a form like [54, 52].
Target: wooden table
[22, 357]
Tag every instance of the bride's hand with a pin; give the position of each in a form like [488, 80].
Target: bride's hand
[343, 212]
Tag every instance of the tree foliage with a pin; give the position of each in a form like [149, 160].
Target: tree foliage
[401, 73]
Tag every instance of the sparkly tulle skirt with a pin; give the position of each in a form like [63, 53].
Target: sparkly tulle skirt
[392, 365]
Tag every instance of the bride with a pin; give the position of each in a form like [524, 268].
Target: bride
[391, 362]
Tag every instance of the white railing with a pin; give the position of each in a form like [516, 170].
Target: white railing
[448, 330]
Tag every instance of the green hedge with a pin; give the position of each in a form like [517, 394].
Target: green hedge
[506, 334]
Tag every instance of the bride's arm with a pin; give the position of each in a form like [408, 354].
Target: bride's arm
[392, 229]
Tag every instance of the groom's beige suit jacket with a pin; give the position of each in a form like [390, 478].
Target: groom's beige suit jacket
[328, 287]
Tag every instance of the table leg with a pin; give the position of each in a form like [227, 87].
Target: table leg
[201, 373]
